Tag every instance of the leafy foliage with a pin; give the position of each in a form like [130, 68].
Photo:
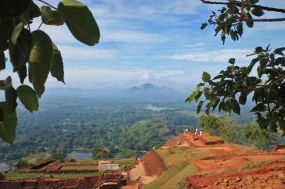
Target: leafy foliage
[263, 77]
[100, 153]
[230, 20]
[80, 21]
[250, 134]
[21, 163]
[33, 54]
[221, 127]
[59, 154]
[257, 136]
[28, 97]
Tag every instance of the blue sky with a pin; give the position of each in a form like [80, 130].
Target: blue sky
[157, 41]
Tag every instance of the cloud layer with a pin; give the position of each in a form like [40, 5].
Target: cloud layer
[152, 41]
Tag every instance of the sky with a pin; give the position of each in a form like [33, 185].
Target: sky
[153, 41]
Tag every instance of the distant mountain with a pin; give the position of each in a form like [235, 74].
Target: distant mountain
[150, 92]
[145, 87]
[146, 93]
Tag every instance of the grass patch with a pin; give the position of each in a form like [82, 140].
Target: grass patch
[79, 167]
[18, 175]
[128, 162]
[125, 162]
[254, 165]
[173, 178]
[95, 161]
[173, 156]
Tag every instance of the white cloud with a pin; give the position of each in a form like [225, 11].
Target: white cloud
[101, 78]
[132, 37]
[74, 53]
[181, 6]
[211, 56]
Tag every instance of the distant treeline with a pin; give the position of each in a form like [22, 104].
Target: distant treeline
[250, 134]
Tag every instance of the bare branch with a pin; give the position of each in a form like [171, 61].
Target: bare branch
[47, 4]
[240, 4]
[269, 20]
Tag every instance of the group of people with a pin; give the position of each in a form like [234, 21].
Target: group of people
[197, 134]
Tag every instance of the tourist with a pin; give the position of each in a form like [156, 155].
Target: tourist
[201, 133]
[196, 132]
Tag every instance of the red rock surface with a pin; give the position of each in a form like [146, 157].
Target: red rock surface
[153, 165]
[271, 176]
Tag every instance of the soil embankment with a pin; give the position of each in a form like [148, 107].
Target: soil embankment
[153, 164]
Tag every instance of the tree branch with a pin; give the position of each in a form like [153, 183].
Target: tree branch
[47, 4]
[269, 20]
[240, 4]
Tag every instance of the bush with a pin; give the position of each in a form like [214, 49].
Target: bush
[59, 155]
[261, 138]
[21, 164]
[222, 127]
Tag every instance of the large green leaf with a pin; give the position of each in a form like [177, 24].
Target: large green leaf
[203, 26]
[206, 77]
[8, 128]
[28, 97]
[232, 61]
[6, 29]
[280, 51]
[51, 17]
[4, 84]
[199, 106]
[20, 46]
[281, 124]
[235, 106]
[10, 8]
[249, 21]
[34, 11]
[240, 28]
[259, 108]
[242, 99]
[257, 12]
[40, 60]
[191, 97]
[80, 21]
[11, 99]
[57, 65]
[2, 60]
[22, 72]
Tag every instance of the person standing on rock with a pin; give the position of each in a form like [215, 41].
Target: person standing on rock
[196, 132]
[201, 133]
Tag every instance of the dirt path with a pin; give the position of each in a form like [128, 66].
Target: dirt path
[138, 173]
[138, 176]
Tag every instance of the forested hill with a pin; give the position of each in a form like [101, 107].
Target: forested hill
[84, 120]
[86, 123]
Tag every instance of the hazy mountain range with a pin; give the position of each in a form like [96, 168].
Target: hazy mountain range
[145, 93]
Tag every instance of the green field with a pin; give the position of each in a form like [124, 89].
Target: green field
[79, 167]
[18, 175]
[174, 178]
[173, 156]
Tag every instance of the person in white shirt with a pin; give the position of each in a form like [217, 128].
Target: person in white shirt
[196, 132]
[201, 133]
